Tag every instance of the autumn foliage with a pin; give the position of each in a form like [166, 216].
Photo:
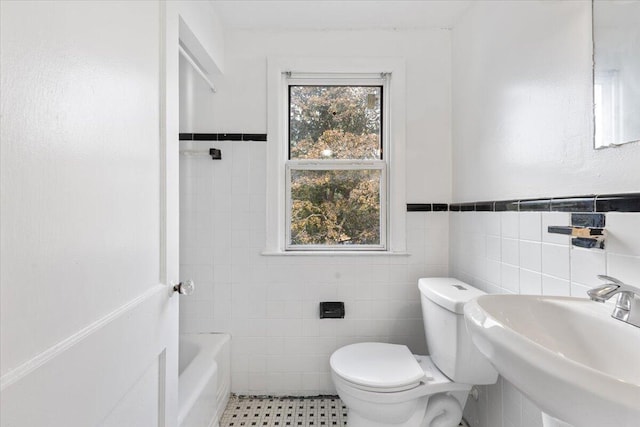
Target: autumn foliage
[338, 126]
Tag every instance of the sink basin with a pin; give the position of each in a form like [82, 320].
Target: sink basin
[567, 355]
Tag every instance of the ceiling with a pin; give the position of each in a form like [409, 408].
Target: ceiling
[340, 14]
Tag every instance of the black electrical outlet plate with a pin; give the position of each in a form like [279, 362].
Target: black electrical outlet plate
[332, 310]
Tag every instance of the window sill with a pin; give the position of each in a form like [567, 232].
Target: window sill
[333, 253]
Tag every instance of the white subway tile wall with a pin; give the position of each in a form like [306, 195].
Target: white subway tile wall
[270, 304]
[533, 261]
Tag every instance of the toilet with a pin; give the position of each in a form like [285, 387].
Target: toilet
[385, 385]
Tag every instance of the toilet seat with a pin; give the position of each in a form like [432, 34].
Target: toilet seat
[378, 367]
[365, 357]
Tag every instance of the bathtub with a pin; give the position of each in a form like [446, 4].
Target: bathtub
[204, 383]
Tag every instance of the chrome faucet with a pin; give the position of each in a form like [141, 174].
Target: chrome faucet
[624, 309]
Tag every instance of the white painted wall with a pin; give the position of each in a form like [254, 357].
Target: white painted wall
[522, 127]
[270, 303]
[522, 119]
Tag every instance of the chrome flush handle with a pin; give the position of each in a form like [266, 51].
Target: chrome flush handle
[185, 288]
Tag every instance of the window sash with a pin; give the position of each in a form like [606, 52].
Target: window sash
[329, 165]
[376, 82]
[339, 79]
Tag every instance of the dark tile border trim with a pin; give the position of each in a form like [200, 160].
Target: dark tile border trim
[506, 206]
[262, 137]
[485, 206]
[573, 204]
[419, 207]
[427, 207]
[627, 202]
[618, 203]
[205, 136]
[535, 205]
[254, 137]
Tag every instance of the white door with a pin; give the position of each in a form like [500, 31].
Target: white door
[88, 326]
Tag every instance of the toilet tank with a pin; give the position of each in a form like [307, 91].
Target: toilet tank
[449, 343]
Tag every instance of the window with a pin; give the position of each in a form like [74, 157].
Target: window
[336, 131]
[335, 171]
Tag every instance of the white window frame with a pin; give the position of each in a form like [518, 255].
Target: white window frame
[376, 80]
[283, 72]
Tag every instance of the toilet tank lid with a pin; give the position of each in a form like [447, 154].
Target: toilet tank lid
[448, 292]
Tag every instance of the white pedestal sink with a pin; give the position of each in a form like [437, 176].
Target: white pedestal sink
[567, 355]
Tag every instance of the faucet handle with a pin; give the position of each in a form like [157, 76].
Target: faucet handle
[611, 279]
[627, 306]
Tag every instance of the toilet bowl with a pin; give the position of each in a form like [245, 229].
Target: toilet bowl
[385, 385]
[393, 387]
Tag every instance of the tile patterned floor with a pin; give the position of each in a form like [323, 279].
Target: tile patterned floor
[266, 411]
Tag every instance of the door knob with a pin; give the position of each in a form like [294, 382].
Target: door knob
[185, 288]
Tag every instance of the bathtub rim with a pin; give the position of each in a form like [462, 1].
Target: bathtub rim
[202, 369]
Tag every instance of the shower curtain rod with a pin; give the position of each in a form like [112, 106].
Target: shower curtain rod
[197, 67]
